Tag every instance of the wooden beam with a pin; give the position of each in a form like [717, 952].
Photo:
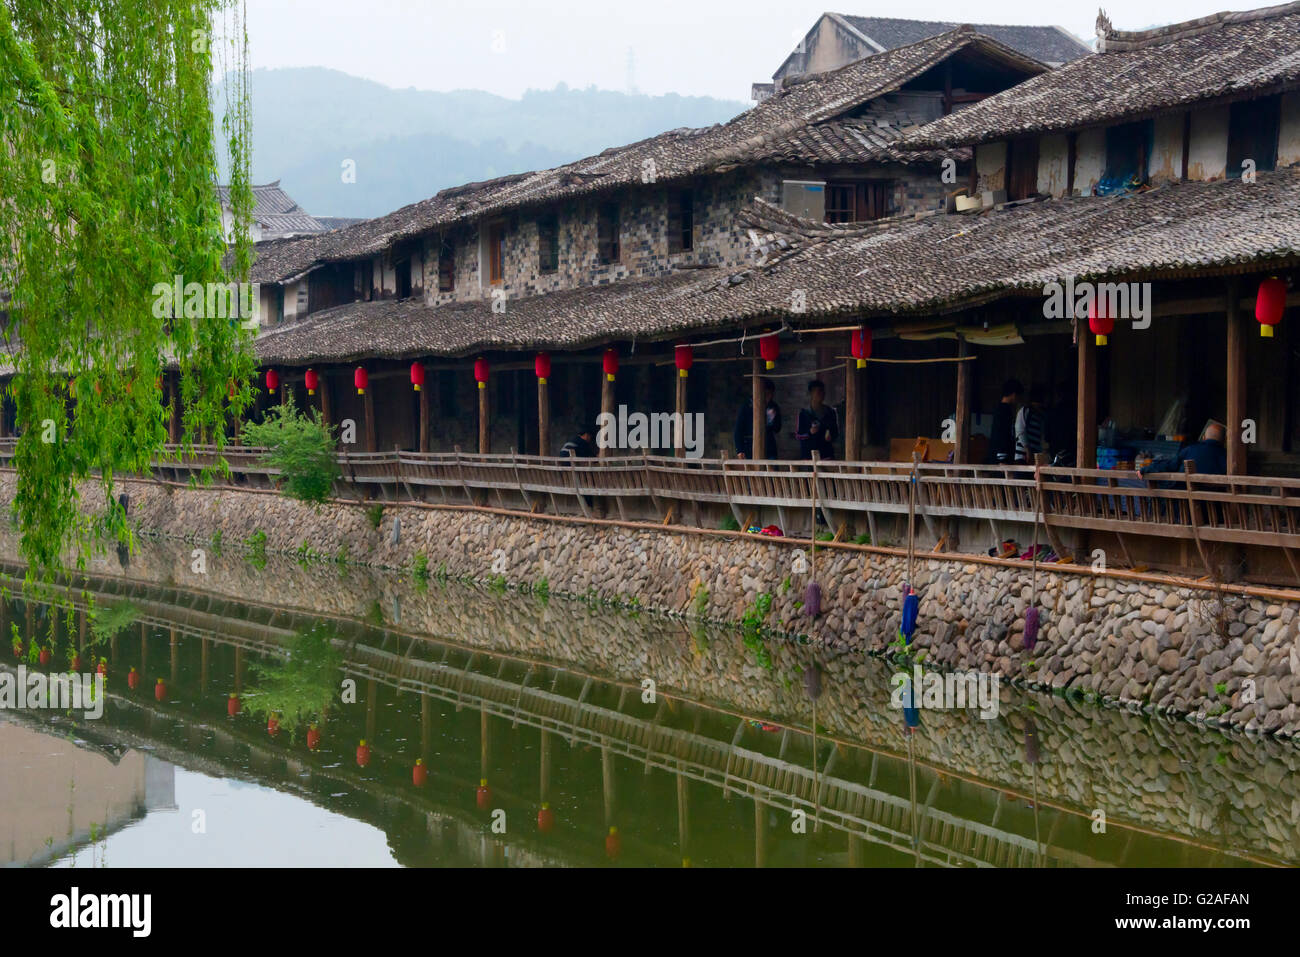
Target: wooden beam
[426, 419]
[961, 450]
[543, 417]
[606, 404]
[1236, 355]
[173, 408]
[679, 445]
[326, 413]
[372, 436]
[853, 392]
[484, 420]
[759, 446]
[1085, 455]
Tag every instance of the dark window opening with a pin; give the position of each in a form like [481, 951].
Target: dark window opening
[446, 266]
[607, 226]
[496, 253]
[507, 385]
[1252, 134]
[548, 244]
[1127, 149]
[1022, 169]
[681, 221]
[403, 283]
[859, 202]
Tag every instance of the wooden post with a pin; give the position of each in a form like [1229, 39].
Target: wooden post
[760, 412]
[852, 411]
[606, 405]
[961, 451]
[543, 418]
[1236, 404]
[426, 419]
[484, 420]
[325, 411]
[679, 448]
[1085, 440]
[372, 437]
[174, 408]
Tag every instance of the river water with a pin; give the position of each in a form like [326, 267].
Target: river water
[561, 732]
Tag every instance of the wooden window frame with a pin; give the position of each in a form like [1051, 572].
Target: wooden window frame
[446, 266]
[609, 249]
[859, 201]
[496, 250]
[548, 253]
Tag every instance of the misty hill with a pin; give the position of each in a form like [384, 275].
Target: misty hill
[408, 144]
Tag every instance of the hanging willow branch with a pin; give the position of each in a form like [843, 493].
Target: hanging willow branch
[108, 174]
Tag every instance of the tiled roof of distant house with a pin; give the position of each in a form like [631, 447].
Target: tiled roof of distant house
[752, 135]
[277, 212]
[1052, 45]
[899, 268]
[1137, 75]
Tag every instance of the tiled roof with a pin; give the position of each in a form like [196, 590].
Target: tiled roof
[675, 154]
[867, 138]
[901, 268]
[1136, 75]
[277, 212]
[1048, 44]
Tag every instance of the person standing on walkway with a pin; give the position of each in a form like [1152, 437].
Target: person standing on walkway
[743, 434]
[1002, 436]
[819, 425]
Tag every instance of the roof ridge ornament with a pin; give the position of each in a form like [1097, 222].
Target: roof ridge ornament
[1104, 29]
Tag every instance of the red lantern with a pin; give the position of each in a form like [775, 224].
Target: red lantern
[419, 773]
[483, 797]
[417, 376]
[363, 754]
[18, 649]
[44, 657]
[769, 347]
[102, 668]
[133, 679]
[311, 380]
[232, 704]
[76, 662]
[361, 379]
[610, 363]
[542, 366]
[683, 358]
[481, 372]
[272, 725]
[613, 843]
[313, 738]
[1101, 324]
[272, 380]
[545, 819]
[860, 345]
[1270, 304]
[160, 690]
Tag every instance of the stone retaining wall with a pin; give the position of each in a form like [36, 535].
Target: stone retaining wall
[1227, 659]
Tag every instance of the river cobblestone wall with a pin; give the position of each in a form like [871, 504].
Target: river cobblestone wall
[1222, 658]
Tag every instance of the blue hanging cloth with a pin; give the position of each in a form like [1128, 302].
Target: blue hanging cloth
[911, 608]
[1031, 628]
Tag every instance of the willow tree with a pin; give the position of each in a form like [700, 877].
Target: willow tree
[108, 174]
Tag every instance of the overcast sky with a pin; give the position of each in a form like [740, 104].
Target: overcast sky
[693, 47]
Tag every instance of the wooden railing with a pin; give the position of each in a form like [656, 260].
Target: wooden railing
[1203, 510]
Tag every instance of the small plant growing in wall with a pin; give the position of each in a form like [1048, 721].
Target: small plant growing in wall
[216, 542]
[376, 514]
[543, 590]
[256, 545]
[752, 629]
[301, 447]
[420, 570]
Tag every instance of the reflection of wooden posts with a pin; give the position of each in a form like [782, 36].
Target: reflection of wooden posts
[760, 835]
[961, 451]
[175, 647]
[1236, 404]
[679, 449]
[372, 702]
[1085, 445]
[144, 650]
[545, 783]
[484, 419]
[426, 419]
[239, 670]
[759, 446]
[855, 850]
[606, 406]
[853, 418]
[543, 419]
[81, 629]
[607, 783]
[683, 819]
[426, 726]
[204, 645]
[483, 742]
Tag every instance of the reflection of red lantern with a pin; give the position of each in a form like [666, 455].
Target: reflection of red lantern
[613, 843]
[272, 380]
[860, 345]
[542, 366]
[311, 380]
[44, 657]
[160, 690]
[363, 754]
[419, 773]
[1101, 324]
[230, 388]
[610, 363]
[361, 379]
[272, 725]
[18, 649]
[483, 797]
[1270, 303]
[683, 358]
[76, 662]
[545, 819]
[232, 704]
[769, 347]
[102, 668]
[417, 376]
[481, 372]
[133, 679]
[313, 738]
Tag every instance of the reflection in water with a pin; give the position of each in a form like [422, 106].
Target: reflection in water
[503, 729]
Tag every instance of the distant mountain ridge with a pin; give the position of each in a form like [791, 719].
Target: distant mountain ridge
[407, 144]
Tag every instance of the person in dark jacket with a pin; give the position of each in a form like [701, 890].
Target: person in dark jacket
[819, 425]
[1002, 436]
[580, 445]
[1208, 455]
[743, 434]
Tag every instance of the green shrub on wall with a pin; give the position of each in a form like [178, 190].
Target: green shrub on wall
[301, 447]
